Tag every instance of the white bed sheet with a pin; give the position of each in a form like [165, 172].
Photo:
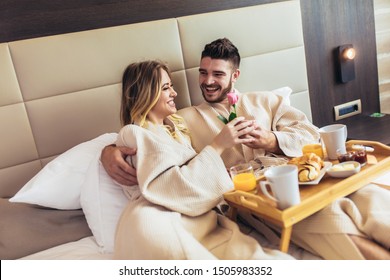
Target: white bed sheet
[88, 249]
[83, 249]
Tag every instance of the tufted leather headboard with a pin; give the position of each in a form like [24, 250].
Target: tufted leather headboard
[59, 91]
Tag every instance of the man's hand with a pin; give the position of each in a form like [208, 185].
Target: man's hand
[233, 133]
[263, 139]
[113, 160]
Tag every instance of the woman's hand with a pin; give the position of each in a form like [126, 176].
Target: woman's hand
[113, 160]
[235, 132]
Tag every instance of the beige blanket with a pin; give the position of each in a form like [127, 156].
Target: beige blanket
[26, 229]
[364, 213]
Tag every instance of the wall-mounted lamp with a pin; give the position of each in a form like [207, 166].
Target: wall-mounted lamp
[346, 56]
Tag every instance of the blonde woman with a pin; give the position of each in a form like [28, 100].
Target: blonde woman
[171, 214]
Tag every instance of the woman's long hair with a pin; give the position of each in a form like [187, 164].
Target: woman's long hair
[141, 89]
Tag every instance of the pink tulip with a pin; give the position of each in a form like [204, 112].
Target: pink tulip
[232, 98]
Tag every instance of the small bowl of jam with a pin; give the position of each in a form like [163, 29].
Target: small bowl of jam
[361, 156]
[358, 155]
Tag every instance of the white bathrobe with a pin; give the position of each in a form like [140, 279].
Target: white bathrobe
[170, 214]
[290, 126]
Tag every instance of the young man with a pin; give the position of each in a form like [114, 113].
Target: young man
[336, 232]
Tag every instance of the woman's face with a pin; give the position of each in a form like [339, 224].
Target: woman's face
[165, 105]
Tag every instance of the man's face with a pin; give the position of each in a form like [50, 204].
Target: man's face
[216, 78]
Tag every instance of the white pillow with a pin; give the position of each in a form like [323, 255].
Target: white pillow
[284, 92]
[58, 184]
[103, 201]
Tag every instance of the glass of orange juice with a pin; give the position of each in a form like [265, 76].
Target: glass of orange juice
[243, 177]
[314, 148]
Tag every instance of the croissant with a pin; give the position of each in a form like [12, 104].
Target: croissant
[309, 166]
[307, 173]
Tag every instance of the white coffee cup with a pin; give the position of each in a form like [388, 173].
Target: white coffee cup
[283, 181]
[334, 136]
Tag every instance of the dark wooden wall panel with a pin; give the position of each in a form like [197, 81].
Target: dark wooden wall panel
[328, 24]
[22, 19]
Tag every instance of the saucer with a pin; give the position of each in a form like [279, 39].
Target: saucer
[344, 169]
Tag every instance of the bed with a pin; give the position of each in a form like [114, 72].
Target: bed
[59, 106]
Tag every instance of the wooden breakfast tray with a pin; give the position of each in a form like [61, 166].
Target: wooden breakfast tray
[313, 197]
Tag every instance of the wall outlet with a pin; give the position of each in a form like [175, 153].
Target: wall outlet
[348, 109]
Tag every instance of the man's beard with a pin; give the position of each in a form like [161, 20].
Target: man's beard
[223, 95]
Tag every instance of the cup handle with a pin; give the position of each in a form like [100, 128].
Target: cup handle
[345, 132]
[263, 187]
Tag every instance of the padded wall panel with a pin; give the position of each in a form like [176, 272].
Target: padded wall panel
[83, 60]
[46, 160]
[254, 30]
[9, 88]
[59, 91]
[63, 121]
[179, 81]
[13, 178]
[193, 86]
[17, 142]
[270, 57]
[273, 70]
[301, 101]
